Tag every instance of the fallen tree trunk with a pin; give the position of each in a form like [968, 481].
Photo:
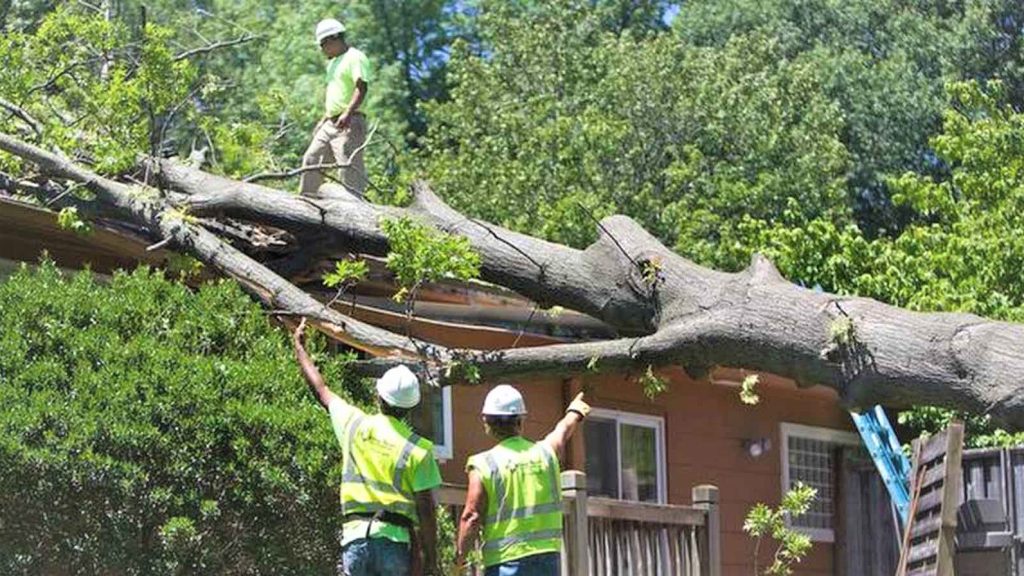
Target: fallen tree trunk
[547, 273]
[669, 310]
[145, 209]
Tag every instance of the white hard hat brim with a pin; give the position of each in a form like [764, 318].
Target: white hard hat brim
[403, 405]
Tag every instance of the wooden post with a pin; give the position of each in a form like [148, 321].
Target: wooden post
[576, 559]
[950, 498]
[705, 497]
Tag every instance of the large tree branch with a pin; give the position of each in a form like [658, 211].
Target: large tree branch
[141, 206]
[690, 315]
[693, 317]
[593, 281]
[895, 357]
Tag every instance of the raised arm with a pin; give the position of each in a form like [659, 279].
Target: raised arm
[566, 427]
[313, 377]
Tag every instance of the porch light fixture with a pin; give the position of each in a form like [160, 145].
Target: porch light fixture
[757, 446]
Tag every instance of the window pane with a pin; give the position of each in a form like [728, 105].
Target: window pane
[639, 463]
[428, 417]
[811, 462]
[602, 461]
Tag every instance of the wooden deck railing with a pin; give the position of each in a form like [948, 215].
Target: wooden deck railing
[605, 537]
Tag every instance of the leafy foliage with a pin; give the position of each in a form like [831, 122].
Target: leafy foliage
[651, 383]
[345, 272]
[147, 429]
[419, 253]
[685, 139]
[68, 219]
[764, 522]
[93, 86]
[748, 390]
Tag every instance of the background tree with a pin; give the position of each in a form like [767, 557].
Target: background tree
[965, 254]
[684, 139]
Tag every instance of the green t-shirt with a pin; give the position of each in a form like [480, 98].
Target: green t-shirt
[342, 74]
[426, 474]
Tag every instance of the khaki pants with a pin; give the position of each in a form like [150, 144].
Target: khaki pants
[332, 145]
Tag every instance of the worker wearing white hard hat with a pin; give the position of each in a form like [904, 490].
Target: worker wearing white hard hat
[388, 474]
[340, 135]
[513, 503]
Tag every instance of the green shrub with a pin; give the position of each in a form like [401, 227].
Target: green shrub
[149, 429]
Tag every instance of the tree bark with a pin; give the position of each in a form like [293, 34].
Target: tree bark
[668, 310]
[547, 273]
[146, 209]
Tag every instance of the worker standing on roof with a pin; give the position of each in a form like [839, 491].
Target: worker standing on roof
[515, 493]
[388, 473]
[340, 135]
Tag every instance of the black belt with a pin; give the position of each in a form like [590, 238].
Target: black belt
[336, 116]
[381, 516]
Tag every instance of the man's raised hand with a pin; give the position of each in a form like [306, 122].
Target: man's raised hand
[299, 336]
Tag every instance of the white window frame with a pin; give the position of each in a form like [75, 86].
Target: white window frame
[786, 430]
[445, 451]
[646, 421]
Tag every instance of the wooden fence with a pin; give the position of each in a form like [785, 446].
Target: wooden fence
[998, 474]
[994, 474]
[605, 537]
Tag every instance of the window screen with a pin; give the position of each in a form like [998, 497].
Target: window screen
[812, 462]
[622, 457]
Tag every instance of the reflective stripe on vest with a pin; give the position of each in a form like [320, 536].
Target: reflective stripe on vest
[369, 491]
[521, 538]
[524, 500]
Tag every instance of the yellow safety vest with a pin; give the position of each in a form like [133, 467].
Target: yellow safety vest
[524, 500]
[375, 474]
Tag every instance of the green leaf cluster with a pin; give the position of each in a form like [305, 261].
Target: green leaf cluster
[748, 390]
[149, 429]
[419, 253]
[686, 139]
[68, 219]
[651, 383]
[345, 272]
[763, 522]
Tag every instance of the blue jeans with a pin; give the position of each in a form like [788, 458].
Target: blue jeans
[547, 564]
[374, 557]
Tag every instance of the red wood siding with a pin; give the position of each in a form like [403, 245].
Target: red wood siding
[705, 426]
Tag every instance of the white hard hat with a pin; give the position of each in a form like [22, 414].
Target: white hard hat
[327, 28]
[399, 387]
[504, 400]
